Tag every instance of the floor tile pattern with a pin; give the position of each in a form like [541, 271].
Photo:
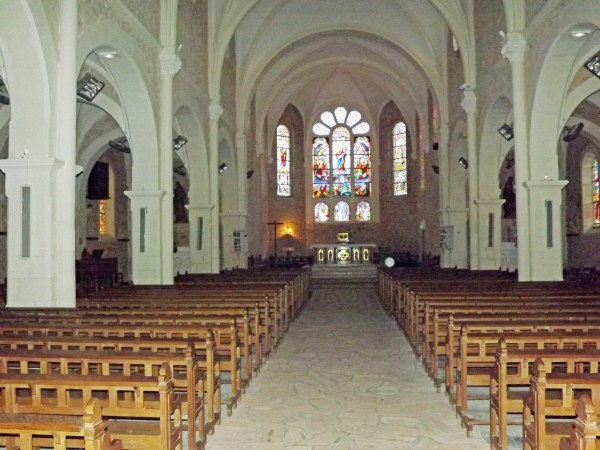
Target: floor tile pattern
[343, 377]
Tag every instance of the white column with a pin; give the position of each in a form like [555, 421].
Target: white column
[546, 240]
[242, 166]
[169, 66]
[145, 244]
[514, 50]
[215, 111]
[456, 255]
[200, 238]
[29, 231]
[490, 233]
[65, 127]
[469, 104]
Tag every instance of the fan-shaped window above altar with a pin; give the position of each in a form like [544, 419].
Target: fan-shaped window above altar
[341, 161]
[399, 159]
[283, 161]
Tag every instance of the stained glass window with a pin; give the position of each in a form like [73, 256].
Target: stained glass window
[596, 193]
[362, 166]
[399, 159]
[321, 212]
[342, 212]
[283, 161]
[320, 153]
[363, 212]
[102, 217]
[344, 169]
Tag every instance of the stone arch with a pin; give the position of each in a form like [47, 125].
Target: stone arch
[564, 59]
[494, 147]
[125, 76]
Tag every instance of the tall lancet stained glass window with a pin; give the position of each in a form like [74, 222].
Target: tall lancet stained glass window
[341, 158]
[283, 161]
[399, 159]
[596, 193]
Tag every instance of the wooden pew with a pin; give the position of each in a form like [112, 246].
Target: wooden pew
[585, 434]
[227, 349]
[188, 380]
[443, 342]
[542, 433]
[268, 308]
[483, 338]
[477, 355]
[86, 430]
[512, 373]
[143, 412]
[226, 317]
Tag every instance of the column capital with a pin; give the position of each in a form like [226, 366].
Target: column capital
[215, 109]
[469, 101]
[514, 47]
[489, 201]
[240, 139]
[140, 194]
[170, 63]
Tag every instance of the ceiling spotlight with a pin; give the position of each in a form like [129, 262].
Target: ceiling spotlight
[222, 167]
[579, 32]
[180, 170]
[593, 64]
[120, 145]
[463, 162]
[506, 131]
[249, 173]
[572, 132]
[106, 52]
[436, 146]
[4, 98]
[89, 87]
[436, 169]
[179, 142]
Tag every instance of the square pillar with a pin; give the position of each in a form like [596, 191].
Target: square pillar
[30, 231]
[200, 238]
[489, 213]
[145, 240]
[456, 251]
[546, 230]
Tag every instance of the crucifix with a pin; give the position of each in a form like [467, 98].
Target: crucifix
[275, 224]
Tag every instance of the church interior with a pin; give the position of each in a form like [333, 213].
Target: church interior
[228, 165]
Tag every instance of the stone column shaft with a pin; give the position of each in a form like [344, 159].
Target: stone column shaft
[215, 111]
[514, 50]
[66, 151]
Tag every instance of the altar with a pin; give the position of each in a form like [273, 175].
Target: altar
[343, 253]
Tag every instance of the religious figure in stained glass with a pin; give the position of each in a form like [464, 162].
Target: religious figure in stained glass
[321, 166]
[363, 212]
[596, 193]
[283, 161]
[399, 158]
[321, 212]
[342, 212]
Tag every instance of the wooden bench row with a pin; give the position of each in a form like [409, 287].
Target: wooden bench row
[207, 337]
[140, 411]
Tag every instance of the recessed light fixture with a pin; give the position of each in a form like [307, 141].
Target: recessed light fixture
[106, 52]
[579, 32]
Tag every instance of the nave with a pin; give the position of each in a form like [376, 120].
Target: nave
[343, 377]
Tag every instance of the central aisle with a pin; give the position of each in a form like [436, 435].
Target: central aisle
[344, 377]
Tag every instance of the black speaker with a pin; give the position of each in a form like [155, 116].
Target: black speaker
[97, 188]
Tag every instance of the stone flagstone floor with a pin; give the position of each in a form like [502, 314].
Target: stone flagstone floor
[343, 377]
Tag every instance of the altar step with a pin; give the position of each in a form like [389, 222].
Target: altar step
[356, 273]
